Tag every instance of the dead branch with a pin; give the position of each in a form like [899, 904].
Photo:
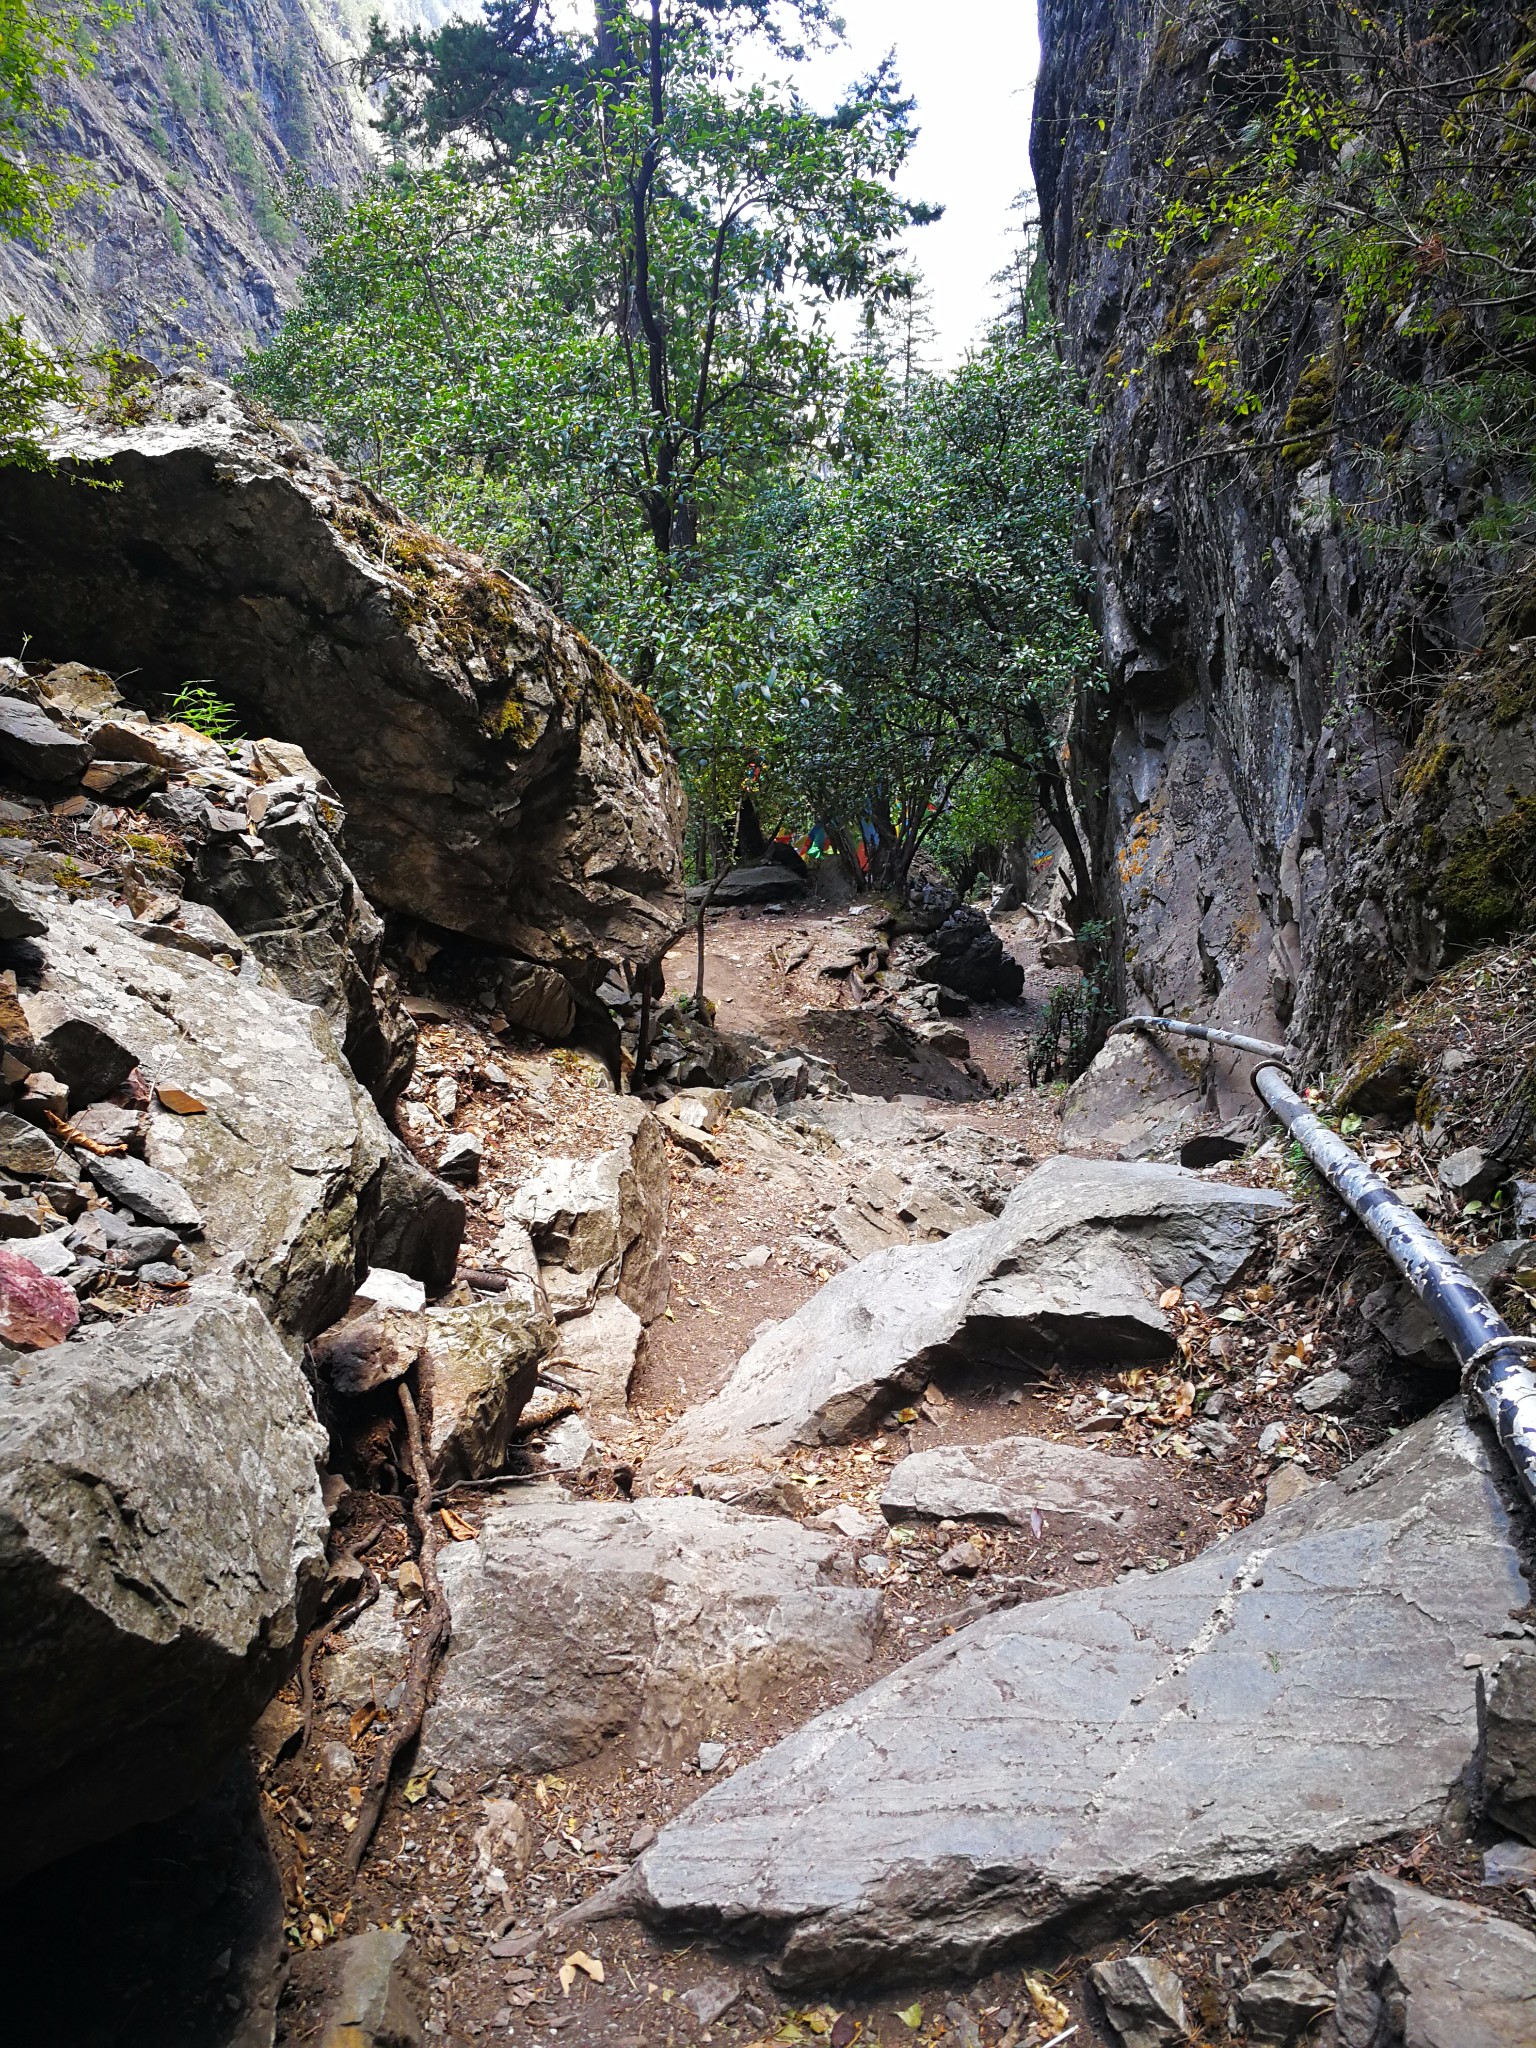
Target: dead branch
[431, 1641]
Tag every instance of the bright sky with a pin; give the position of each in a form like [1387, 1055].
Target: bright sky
[971, 65]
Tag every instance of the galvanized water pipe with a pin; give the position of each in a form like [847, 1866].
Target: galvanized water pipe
[1495, 1381]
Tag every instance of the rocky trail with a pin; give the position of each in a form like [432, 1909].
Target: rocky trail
[779, 1532]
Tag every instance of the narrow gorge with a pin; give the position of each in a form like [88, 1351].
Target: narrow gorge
[642, 1398]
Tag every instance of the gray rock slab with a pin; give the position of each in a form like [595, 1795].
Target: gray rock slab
[1300, 1690]
[1417, 1971]
[597, 1353]
[37, 746]
[153, 1196]
[1071, 1269]
[606, 1216]
[483, 1365]
[659, 1622]
[162, 1543]
[868, 1340]
[1012, 1478]
[292, 1171]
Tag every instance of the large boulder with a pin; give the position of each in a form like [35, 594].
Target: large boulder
[655, 1623]
[500, 779]
[597, 1224]
[1071, 1270]
[1418, 1971]
[162, 1545]
[284, 887]
[965, 954]
[1301, 1690]
[297, 1182]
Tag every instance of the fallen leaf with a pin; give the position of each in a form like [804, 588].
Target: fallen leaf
[416, 1788]
[460, 1530]
[1170, 1297]
[179, 1102]
[845, 2029]
[911, 2016]
[360, 1723]
[578, 1959]
[687, 1258]
[1046, 2004]
[1036, 1522]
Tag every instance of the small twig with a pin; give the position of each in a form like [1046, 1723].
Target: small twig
[425, 1651]
[62, 1129]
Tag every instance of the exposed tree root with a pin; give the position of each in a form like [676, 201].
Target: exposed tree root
[425, 1650]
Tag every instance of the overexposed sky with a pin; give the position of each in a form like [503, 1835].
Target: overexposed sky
[971, 66]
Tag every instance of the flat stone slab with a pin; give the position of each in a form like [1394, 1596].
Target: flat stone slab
[1304, 1688]
[1071, 1270]
[577, 1623]
[1452, 1976]
[1012, 1479]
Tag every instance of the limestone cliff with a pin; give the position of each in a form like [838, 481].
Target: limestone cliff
[1309, 774]
[195, 117]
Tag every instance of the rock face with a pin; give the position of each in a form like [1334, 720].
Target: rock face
[577, 1623]
[500, 779]
[293, 899]
[1011, 1479]
[296, 1181]
[162, 1544]
[1272, 849]
[190, 134]
[1416, 1971]
[1299, 1690]
[1509, 1768]
[597, 1224]
[1071, 1270]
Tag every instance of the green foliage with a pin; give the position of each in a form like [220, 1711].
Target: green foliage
[938, 609]
[1078, 1015]
[201, 708]
[1393, 179]
[31, 378]
[588, 339]
[41, 44]
[175, 233]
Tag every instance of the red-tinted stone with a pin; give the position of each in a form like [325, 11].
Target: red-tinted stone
[35, 1311]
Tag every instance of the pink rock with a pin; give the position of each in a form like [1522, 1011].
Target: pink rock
[35, 1311]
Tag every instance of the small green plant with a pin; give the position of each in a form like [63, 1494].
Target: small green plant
[1078, 1016]
[200, 707]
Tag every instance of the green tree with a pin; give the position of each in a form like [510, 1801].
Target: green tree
[588, 336]
[941, 615]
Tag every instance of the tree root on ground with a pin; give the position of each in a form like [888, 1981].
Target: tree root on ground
[425, 1650]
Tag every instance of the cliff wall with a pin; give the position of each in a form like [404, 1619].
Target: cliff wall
[1308, 774]
[197, 114]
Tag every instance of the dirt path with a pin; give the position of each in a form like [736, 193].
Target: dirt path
[750, 1239]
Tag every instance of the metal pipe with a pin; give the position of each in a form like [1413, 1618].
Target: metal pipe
[1489, 1353]
[1259, 1047]
[1487, 1350]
